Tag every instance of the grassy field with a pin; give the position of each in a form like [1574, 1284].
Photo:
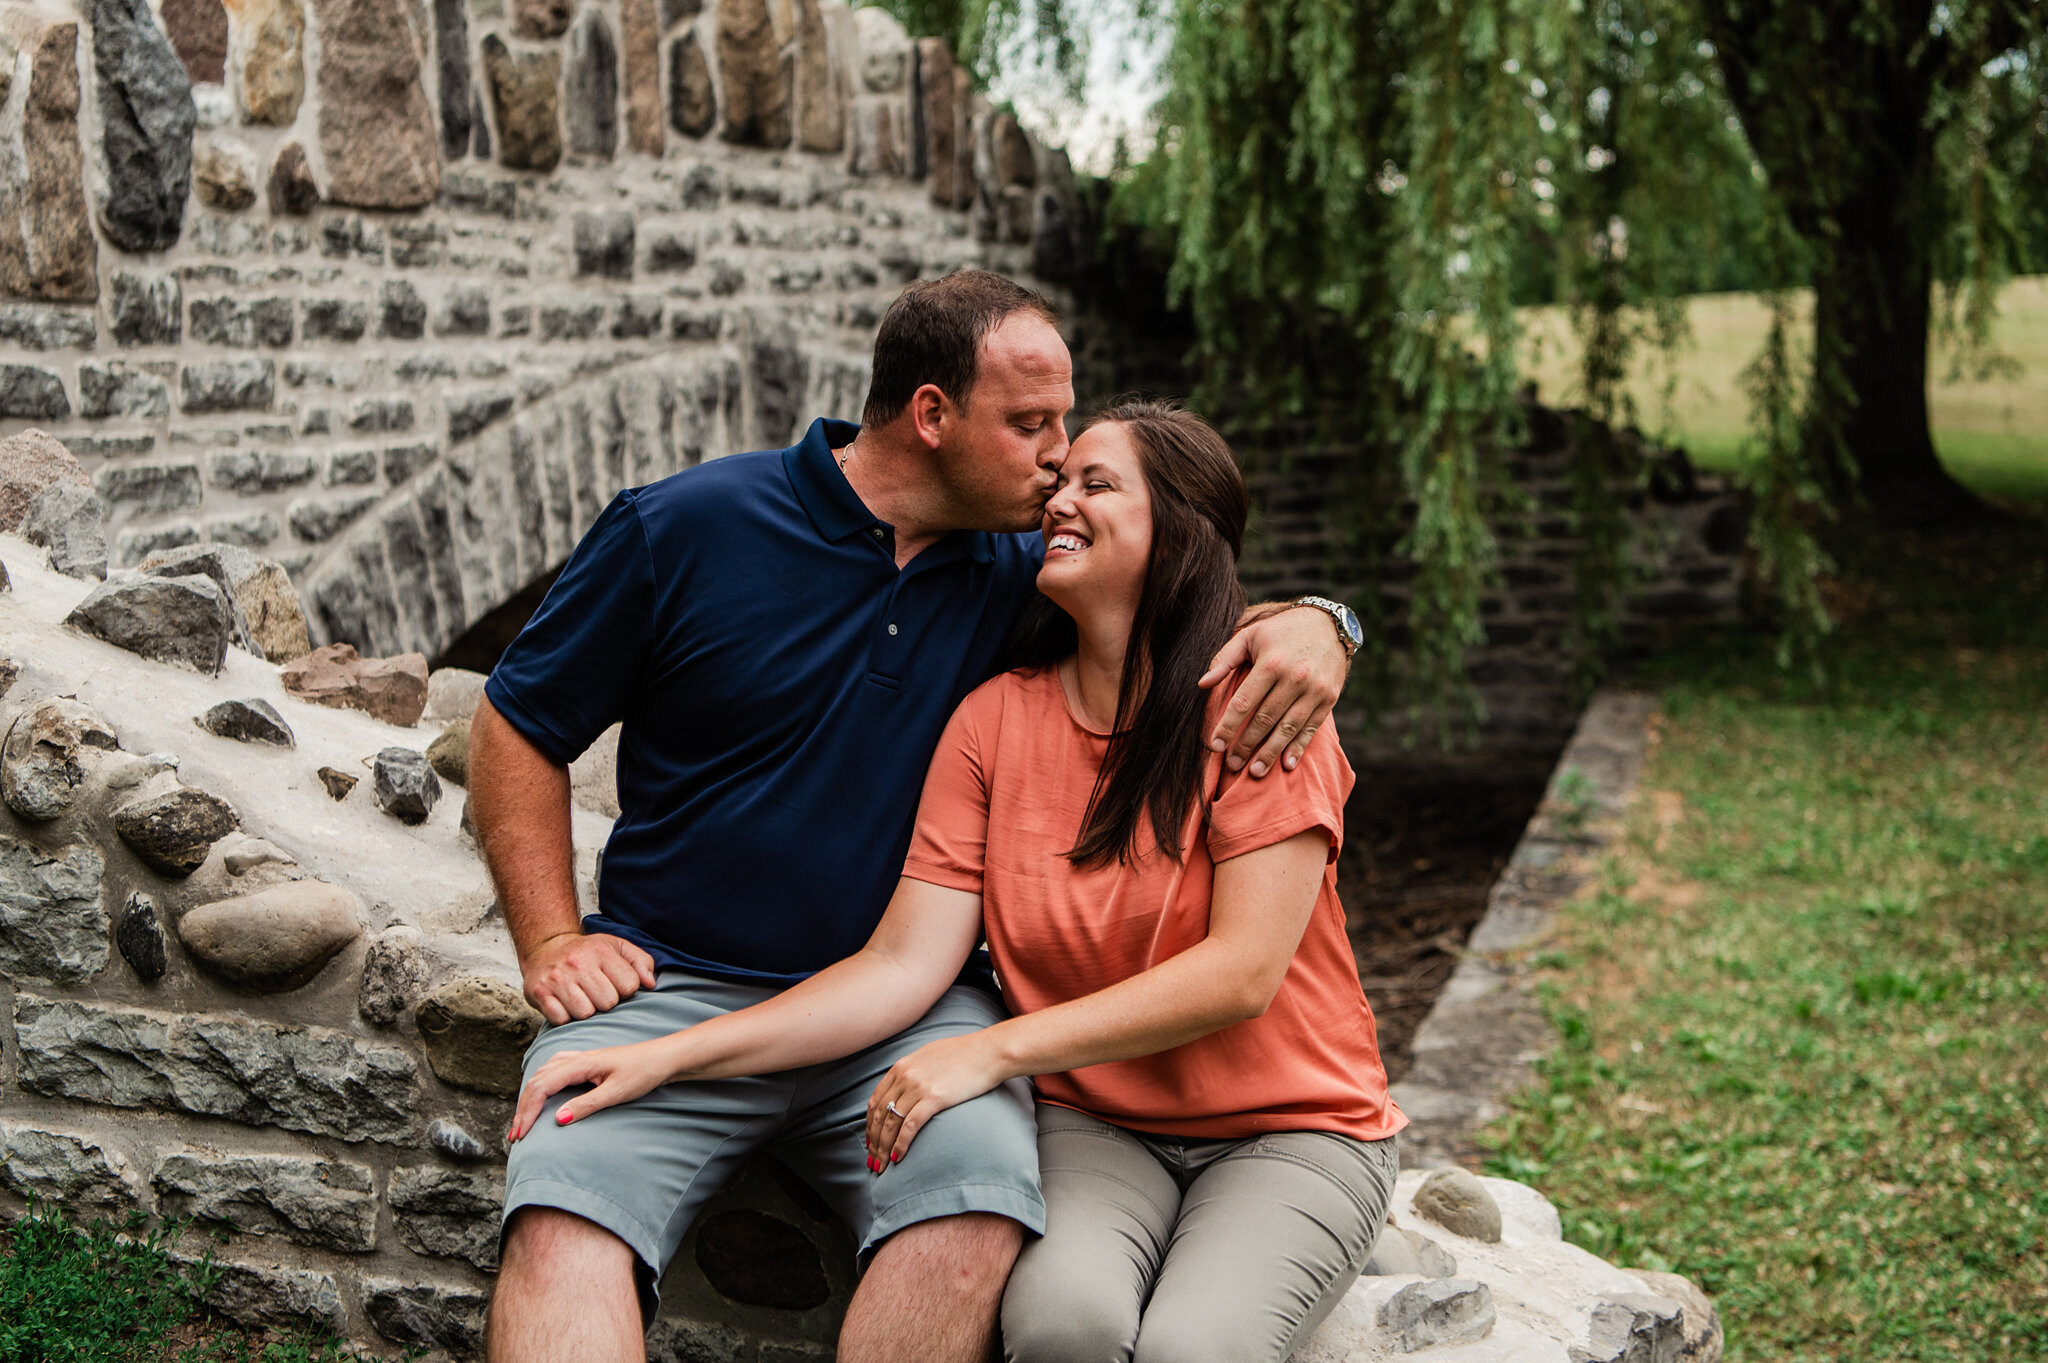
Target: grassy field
[1992, 433]
[1805, 1015]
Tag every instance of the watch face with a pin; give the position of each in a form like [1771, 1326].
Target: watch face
[1349, 620]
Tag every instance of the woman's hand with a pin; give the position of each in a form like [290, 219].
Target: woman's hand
[621, 1074]
[923, 1084]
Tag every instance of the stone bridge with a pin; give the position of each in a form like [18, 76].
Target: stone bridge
[398, 295]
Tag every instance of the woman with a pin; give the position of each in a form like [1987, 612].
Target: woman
[1215, 1134]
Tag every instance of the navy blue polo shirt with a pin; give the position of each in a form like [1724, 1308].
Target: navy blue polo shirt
[782, 688]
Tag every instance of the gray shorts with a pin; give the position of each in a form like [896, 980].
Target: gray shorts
[644, 1169]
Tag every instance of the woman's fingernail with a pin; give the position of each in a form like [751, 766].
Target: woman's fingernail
[895, 1155]
[565, 1117]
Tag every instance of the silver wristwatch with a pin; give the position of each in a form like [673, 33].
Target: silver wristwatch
[1349, 632]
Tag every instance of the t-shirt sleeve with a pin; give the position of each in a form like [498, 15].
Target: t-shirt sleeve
[950, 844]
[1251, 814]
[570, 673]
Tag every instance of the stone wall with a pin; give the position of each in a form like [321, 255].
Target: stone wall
[400, 293]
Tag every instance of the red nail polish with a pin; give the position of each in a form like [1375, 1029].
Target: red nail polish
[895, 1155]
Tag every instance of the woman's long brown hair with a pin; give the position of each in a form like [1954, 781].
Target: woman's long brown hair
[1190, 603]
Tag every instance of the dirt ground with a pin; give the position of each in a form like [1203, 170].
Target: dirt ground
[1418, 862]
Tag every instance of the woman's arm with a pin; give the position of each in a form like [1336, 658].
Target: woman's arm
[1261, 906]
[915, 953]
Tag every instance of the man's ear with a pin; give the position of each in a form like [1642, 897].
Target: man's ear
[930, 409]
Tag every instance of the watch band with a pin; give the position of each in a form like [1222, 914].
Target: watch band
[1340, 615]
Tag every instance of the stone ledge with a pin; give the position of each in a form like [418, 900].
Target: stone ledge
[1479, 1042]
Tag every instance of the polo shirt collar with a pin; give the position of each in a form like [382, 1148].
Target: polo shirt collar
[830, 501]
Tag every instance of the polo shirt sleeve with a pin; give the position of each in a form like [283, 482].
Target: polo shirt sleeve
[949, 847]
[570, 673]
[1251, 814]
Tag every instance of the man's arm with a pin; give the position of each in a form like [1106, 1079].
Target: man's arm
[519, 800]
[1298, 669]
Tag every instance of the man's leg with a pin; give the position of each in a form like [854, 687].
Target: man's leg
[932, 1292]
[565, 1293]
[595, 1210]
[940, 1230]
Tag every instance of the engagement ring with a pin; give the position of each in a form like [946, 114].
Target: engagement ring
[892, 1108]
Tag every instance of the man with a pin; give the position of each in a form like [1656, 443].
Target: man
[784, 635]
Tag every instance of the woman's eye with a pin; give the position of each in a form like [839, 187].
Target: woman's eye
[1097, 487]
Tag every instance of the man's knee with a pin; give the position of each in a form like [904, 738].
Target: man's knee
[972, 1251]
[547, 1239]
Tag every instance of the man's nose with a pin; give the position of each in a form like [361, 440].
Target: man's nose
[1054, 455]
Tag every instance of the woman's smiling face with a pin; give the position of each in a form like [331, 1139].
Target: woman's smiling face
[1098, 525]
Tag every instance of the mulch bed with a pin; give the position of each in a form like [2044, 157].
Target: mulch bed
[1418, 862]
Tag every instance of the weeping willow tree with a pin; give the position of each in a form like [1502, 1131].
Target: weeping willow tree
[1351, 189]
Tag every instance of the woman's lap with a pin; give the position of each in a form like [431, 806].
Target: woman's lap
[1169, 1251]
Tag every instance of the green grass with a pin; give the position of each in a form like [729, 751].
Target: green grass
[1805, 1010]
[97, 1292]
[1992, 432]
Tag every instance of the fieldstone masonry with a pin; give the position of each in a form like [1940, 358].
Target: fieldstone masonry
[403, 293]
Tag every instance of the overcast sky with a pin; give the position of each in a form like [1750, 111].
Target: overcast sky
[1123, 57]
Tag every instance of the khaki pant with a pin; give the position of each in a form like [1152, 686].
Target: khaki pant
[1166, 1250]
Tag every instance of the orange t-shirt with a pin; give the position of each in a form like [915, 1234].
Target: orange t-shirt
[1005, 797]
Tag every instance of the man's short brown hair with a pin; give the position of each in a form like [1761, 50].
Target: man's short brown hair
[933, 332]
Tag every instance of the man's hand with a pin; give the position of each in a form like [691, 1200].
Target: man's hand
[577, 975]
[1298, 669]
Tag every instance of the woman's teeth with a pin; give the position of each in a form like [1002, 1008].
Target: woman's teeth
[1070, 542]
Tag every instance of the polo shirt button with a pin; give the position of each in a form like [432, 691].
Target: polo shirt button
[892, 629]
[876, 532]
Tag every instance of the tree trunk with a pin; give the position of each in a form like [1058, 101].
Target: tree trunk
[1871, 315]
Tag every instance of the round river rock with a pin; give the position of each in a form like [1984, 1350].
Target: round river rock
[274, 940]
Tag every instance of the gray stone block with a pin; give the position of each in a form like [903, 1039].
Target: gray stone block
[106, 390]
[351, 468]
[1633, 1328]
[147, 117]
[146, 309]
[341, 238]
[149, 487]
[252, 473]
[425, 369]
[251, 531]
[311, 1079]
[181, 620]
[174, 831]
[242, 323]
[333, 319]
[373, 416]
[36, 394]
[41, 328]
[258, 1297]
[465, 311]
[228, 386]
[451, 1212]
[52, 925]
[138, 544]
[398, 969]
[327, 1204]
[637, 318]
[319, 519]
[405, 784]
[402, 313]
[73, 1170]
[570, 321]
[451, 1140]
[604, 243]
[1440, 1311]
[69, 521]
[403, 461]
[438, 1315]
[139, 934]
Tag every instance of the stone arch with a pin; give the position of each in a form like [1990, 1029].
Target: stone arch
[504, 508]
